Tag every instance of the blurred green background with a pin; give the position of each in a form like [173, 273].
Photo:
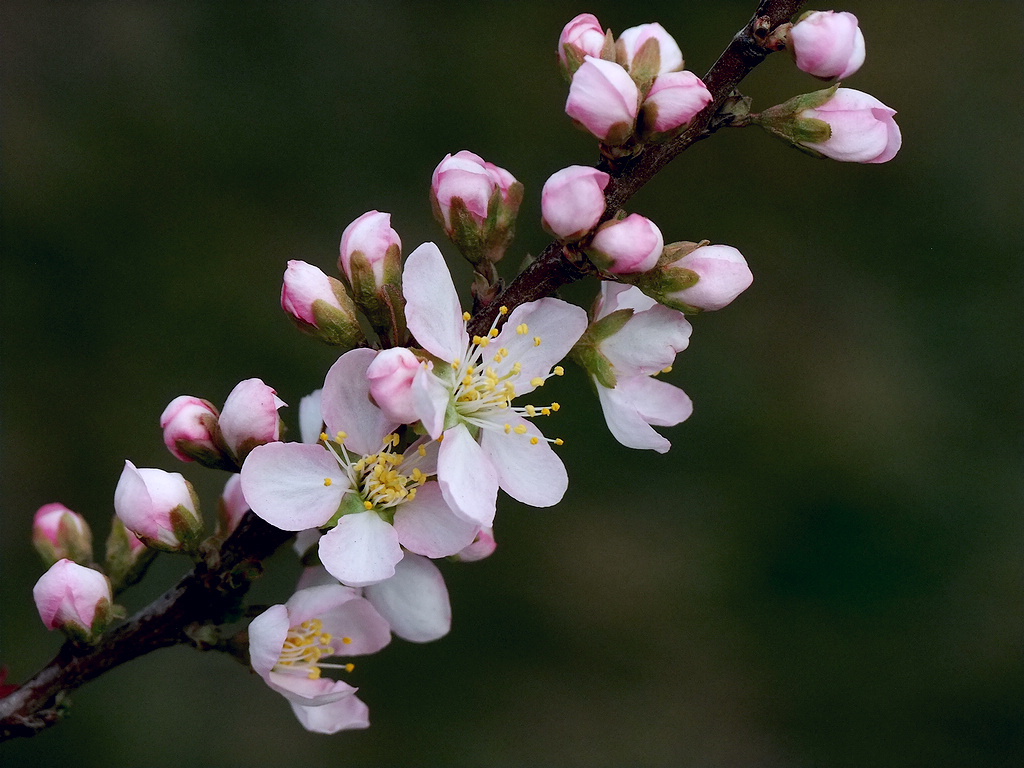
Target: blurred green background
[826, 570]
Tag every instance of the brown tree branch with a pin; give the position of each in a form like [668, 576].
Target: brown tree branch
[216, 586]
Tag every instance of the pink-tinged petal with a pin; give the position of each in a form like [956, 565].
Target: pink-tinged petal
[314, 575]
[414, 601]
[430, 399]
[267, 633]
[616, 296]
[299, 689]
[556, 323]
[648, 342]
[345, 714]
[893, 142]
[362, 549]
[346, 405]
[343, 614]
[532, 474]
[427, 526]
[432, 309]
[249, 416]
[602, 96]
[483, 546]
[468, 480]
[314, 602]
[287, 485]
[427, 463]
[390, 377]
[311, 422]
[622, 408]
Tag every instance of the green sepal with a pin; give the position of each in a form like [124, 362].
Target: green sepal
[646, 65]
[186, 526]
[588, 357]
[351, 503]
[123, 567]
[618, 134]
[608, 325]
[336, 327]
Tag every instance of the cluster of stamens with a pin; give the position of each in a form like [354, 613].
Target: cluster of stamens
[303, 648]
[479, 389]
[375, 476]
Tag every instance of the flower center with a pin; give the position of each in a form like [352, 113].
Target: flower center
[303, 648]
[376, 476]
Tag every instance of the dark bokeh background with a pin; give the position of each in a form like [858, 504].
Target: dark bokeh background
[826, 570]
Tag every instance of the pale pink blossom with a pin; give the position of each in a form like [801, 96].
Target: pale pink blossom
[190, 427]
[303, 286]
[372, 236]
[355, 481]
[59, 533]
[289, 646]
[722, 274]
[232, 507]
[584, 36]
[572, 201]
[863, 129]
[390, 376]
[249, 417]
[604, 100]
[673, 101]
[827, 44]
[159, 507]
[633, 39]
[623, 246]
[471, 179]
[414, 601]
[73, 598]
[644, 346]
[465, 396]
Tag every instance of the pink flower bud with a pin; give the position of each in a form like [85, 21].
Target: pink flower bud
[232, 506]
[632, 244]
[372, 236]
[673, 101]
[722, 274]
[249, 417]
[190, 425]
[604, 100]
[390, 376]
[863, 129]
[73, 598]
[59, 533]
[827, 44]
[584, 37]
[303, 285]
[572, 201]
[471, 179]
[633, 39]
[159, 507]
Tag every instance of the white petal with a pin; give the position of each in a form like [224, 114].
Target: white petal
[532, 474]
[432, 309]
[430, 398]
[341, 715]
[362, 549]
[311, 422]
[648, 342]
[615, 296]
[414, 601]
[284, 484]
[468, 480]
[311, 603]
[358, 621]
[658, 402]
[346, 404]
[300, 689]
[267, 633]
[556, 323]
[661, 402]
[427, 526]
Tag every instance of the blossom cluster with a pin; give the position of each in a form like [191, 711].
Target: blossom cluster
[426, 414]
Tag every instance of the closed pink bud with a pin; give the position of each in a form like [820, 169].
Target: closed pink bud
[73, 598]
[633, 39]
[863, 128]
[59, 533]
[827, 44]
[722, 274]
[232, 507]
[572, 201]
[189, 425]
[249, 417]
[471, 179]
[633, 244]
[303, 285]
[673, 101]
[584, 36]
[372, 236]
[159, 507]
[390, 376]
[604, 100]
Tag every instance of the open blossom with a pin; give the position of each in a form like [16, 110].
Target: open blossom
[380, 499]
[572, 201]
[289, 645]
[604, 100]
[827, 44]
[59, 533]
[633, 39]
[863, 128]
[464, 394]
[644, 345]
[623, 246]
[414, 601]
[73, 598]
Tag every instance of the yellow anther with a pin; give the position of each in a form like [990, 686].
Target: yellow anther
[340, 436]
[502, 310]
[327, 481]
[440, 437]
[558, 370]
[522, 329]
[493, 332]
[537, 381]
[367, 505]
[417, 475]
[667, 370]
[536, 341]
[497, 357]
[559, 441]
[531, 411]
[545, 411]
[324, 437]
[555, 406]
[346, 640]
[533, 441]
[422, 451]
[519, 429]
[508, 428]
[314, 673]
[466, 316]
[349, 667]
